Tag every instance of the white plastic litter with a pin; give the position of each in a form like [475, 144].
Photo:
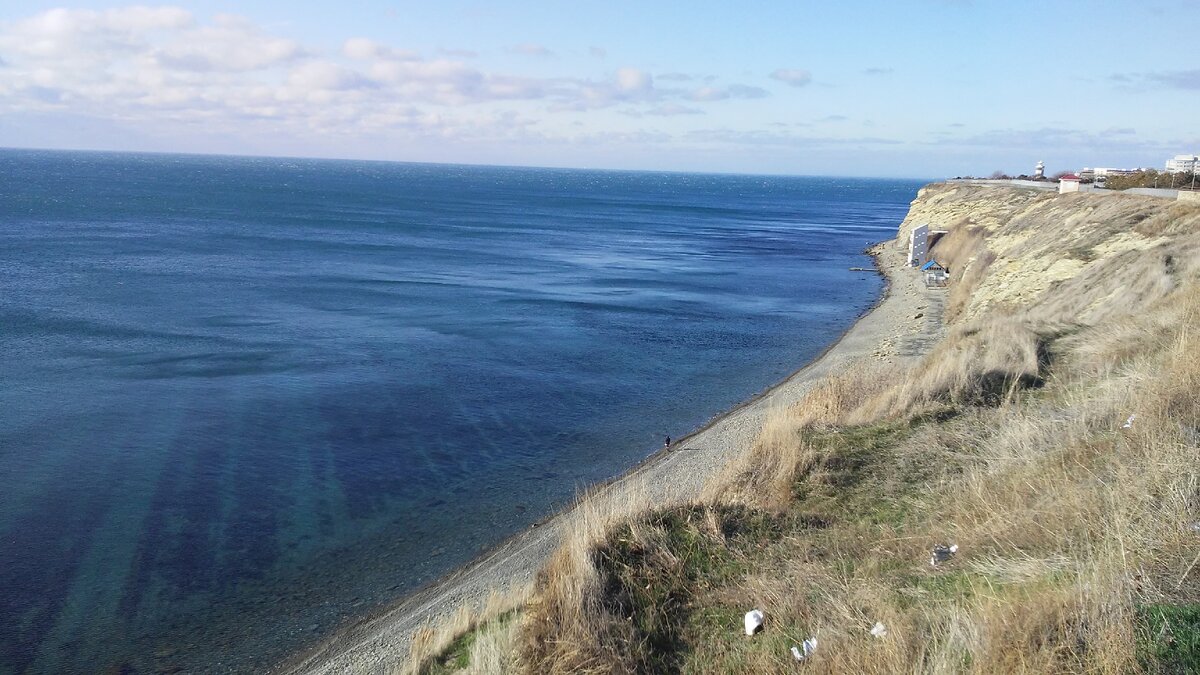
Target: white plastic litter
[1129, 422]
[754, 621]
[803, 651]
[1196, 526]
[879, 630]
[942, 553]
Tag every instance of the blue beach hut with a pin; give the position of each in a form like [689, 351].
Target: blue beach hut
[936, 274]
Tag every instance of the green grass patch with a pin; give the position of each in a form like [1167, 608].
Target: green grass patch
[863, 478]
[723, 647]
[653, 570]
[457, 655]
[913, 590]
[851, 451]
[673, 577]
[1169, 638]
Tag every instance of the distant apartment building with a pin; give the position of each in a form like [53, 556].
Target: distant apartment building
[1101, 174]
[1182, 164]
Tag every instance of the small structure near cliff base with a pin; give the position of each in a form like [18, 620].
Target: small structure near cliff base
[920, 240]
[918, 245]
[936, 275]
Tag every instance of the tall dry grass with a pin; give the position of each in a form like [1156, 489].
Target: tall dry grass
[1067, 523]
[496, 647]
[981, 363]
[763, 477]
[963, 250]
[495, 650]
[567, 626]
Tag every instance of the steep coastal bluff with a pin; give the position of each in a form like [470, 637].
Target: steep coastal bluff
[1012, 246]
[1007, 482]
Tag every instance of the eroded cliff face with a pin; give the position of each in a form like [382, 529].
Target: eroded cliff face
[1072, 258]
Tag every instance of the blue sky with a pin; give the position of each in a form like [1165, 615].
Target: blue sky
[928, 88]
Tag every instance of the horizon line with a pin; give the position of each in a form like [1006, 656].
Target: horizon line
[466, 164]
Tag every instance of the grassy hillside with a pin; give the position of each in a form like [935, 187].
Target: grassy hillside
[1077, 529]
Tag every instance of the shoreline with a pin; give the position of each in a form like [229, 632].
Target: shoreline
[891, 329]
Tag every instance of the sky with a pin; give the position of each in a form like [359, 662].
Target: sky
[920, 88]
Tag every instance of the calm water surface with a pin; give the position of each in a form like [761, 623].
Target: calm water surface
[246, 399]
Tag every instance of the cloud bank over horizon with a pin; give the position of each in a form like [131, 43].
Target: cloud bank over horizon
[170, 78]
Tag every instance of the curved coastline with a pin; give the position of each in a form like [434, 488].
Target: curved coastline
[889, 330]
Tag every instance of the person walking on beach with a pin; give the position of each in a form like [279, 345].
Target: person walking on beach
[667, 443]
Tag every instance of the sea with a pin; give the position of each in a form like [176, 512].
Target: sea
[244, 401]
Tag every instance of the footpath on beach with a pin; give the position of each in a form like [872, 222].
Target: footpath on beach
[900, 328]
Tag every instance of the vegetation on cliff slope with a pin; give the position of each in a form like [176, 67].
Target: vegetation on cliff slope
[1053, 435]
[1151, 178]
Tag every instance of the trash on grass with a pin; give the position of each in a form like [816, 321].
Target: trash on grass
[942, 553]
[805, 650]
[879, 630]
[1129, 422]
[754, 621]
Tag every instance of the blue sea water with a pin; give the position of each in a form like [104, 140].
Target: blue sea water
[246, 399]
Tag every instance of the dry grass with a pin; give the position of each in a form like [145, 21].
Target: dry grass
[645, 577]
[486, 640]
[763, 477]
[982, 363]
[494, 650]
[1067, 525]
[985, 363]
[568, 602]
[489, 643]
[963, 250]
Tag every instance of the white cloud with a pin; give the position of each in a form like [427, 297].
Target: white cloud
[365, 49]
[133, 63]
[1171, 79]
[795, 77]
[1051, 137]
[55, 28]
[626, 85]
[529, 49]
[632, 80]
[323, 75]
[746, 91]
[158, 67]
[782, 139]
[673, 109]
[729, 91]
[458, 53]
[708, 94]
[232, 44]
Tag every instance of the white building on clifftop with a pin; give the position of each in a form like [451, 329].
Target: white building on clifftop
[1068, 183]
[1182, 164]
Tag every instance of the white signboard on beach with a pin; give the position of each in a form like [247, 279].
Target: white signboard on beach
[918, 246]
